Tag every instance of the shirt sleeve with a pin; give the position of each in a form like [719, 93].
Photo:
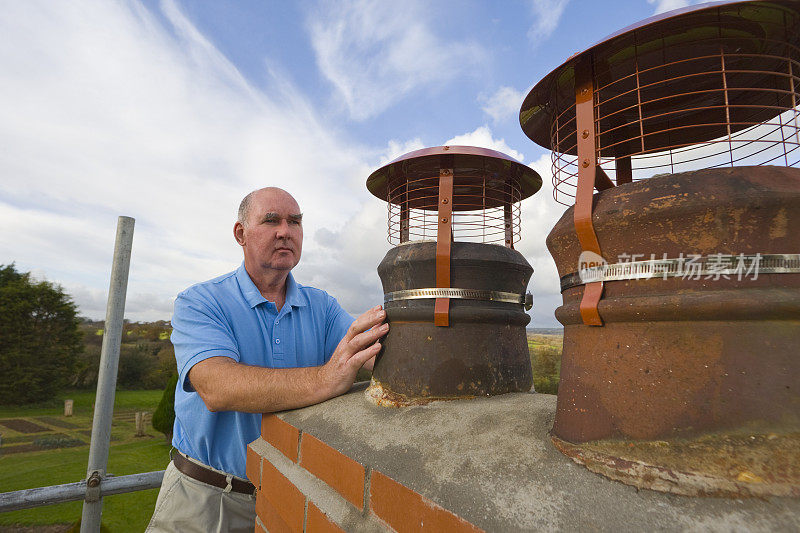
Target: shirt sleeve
[199, 331]
[337, 323]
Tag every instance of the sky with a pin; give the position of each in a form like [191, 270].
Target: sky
[171, 111]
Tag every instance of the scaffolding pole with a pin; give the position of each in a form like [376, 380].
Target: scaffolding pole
[69, 492]
[107, 379]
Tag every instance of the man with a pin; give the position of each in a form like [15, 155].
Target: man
[250, 342]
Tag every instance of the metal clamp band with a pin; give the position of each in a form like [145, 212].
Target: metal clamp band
[690, 267]
[462, 294]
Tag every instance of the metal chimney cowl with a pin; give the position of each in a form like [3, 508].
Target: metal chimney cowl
[677, 140]
[454, 298]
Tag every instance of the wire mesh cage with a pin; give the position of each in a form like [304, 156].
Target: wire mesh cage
[487, 188]
[485, 209]
[703, 87]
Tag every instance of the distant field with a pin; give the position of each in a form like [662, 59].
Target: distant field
[42, 447]
[546, 331]
[545, 350]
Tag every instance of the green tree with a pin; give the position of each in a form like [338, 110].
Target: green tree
[39, 338]
[135, 364]
[164, 417]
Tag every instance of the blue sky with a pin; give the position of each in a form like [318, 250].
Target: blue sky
[170, 111]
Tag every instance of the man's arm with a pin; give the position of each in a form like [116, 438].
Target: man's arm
[225, 385]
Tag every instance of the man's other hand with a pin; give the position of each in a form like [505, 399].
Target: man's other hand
[359, 345]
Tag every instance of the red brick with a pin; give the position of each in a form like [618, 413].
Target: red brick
[343, 474]
[253, 467]
[282, 435]
[405, 510]
[317, 522]
[282, 500]
[269, 517]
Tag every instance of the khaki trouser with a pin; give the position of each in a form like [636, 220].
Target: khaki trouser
[187, 505]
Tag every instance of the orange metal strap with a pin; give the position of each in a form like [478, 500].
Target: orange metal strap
[441, 309]
[587, 174]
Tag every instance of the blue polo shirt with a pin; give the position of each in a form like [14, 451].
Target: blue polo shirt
[229, 317]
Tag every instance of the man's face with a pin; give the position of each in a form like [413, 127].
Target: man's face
[273, 236]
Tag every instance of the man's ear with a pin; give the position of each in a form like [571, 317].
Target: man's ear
[238, 233]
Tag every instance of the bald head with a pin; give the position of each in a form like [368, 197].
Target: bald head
[247, 201]
[270, 231]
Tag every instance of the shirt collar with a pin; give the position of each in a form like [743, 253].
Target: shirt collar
[254, 297]
[293, 297]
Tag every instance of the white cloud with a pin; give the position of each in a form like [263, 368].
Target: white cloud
[348, 257]
[482, 137]
[503, 104]
[104, 112]
[376, 53]
[93, 301]
[539, 214]
[663, 6]
[397, 148]
[546, 14]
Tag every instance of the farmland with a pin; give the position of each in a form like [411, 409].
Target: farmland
[43, 447]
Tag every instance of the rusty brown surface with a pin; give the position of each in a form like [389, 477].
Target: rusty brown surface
[680, 357]
[384, 397]
[482, 352]
[727, 210]
[727, 465]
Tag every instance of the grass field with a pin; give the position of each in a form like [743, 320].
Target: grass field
[545, 353]
[128, 455]
[124, 400]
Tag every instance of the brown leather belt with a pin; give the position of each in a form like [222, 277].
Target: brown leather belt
[210, 477]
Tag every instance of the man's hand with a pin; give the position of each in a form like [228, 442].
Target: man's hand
[359, 346]
[225, 385]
